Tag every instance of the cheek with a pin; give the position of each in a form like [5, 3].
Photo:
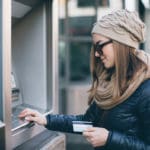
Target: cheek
[111, 57]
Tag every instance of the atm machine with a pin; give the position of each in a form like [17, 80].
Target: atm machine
[28, 72]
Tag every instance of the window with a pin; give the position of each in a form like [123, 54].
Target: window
[79, 61]
[89, 3]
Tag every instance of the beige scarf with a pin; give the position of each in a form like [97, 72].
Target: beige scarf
[105, 93]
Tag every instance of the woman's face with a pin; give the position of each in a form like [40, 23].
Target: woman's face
[107, 51]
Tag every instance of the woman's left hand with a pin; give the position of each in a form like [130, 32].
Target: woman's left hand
[96, 136]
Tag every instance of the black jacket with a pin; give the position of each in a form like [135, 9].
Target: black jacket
[128, 123]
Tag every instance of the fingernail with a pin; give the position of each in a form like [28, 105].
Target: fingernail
[27, 118]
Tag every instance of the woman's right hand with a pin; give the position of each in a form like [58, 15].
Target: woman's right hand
[33, 115]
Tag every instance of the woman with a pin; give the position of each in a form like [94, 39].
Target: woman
[120, 94]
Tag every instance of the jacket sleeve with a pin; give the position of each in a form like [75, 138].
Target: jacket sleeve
[64, 122]
[118, 140]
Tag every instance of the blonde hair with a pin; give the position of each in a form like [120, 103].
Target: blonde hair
[126, 66]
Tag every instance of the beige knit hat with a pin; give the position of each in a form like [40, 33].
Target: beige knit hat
[123, 26]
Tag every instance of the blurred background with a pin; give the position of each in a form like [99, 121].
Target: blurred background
[45, 56]
[76, 18]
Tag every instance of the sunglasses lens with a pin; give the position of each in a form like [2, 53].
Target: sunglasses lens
[100, 52]
[99, 46]
[98, 49]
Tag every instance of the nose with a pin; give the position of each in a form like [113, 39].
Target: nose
[97, 54]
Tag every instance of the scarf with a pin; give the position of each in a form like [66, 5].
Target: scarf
[104, 96]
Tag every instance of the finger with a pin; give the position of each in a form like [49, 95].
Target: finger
[30, 118]
[90, 129]
[27, 112]
[91, 141]
[23, 113]
[88, 139]
[86, 134]
[31, 113]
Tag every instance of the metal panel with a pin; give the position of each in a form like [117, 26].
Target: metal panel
[19, 10]
[32, 3]
[14, 138]
[22, 7]
[1, 47]
[55, 54]
[52, 52]
[45, 141]
[29, 57]
[24, 133]
[6, 61]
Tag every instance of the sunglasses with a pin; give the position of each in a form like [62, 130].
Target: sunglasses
[99, 46]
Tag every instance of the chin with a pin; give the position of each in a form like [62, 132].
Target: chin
[108, 66]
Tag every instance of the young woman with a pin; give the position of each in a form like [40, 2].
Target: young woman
[119, 99]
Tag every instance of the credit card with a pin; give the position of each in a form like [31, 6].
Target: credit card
[81, 126]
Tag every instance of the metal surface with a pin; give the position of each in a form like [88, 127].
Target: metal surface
[22, 7]
[18, 123]
[15, 136]
[55, 54]
[1, 53]
[6, 69]
[45, 141]
[32, 3]
[24, 131]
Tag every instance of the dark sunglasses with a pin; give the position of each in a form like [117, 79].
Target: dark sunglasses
[99, 46]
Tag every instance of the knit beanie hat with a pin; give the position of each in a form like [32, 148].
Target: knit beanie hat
[123, 26]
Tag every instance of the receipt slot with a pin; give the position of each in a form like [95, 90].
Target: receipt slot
[29, 76]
